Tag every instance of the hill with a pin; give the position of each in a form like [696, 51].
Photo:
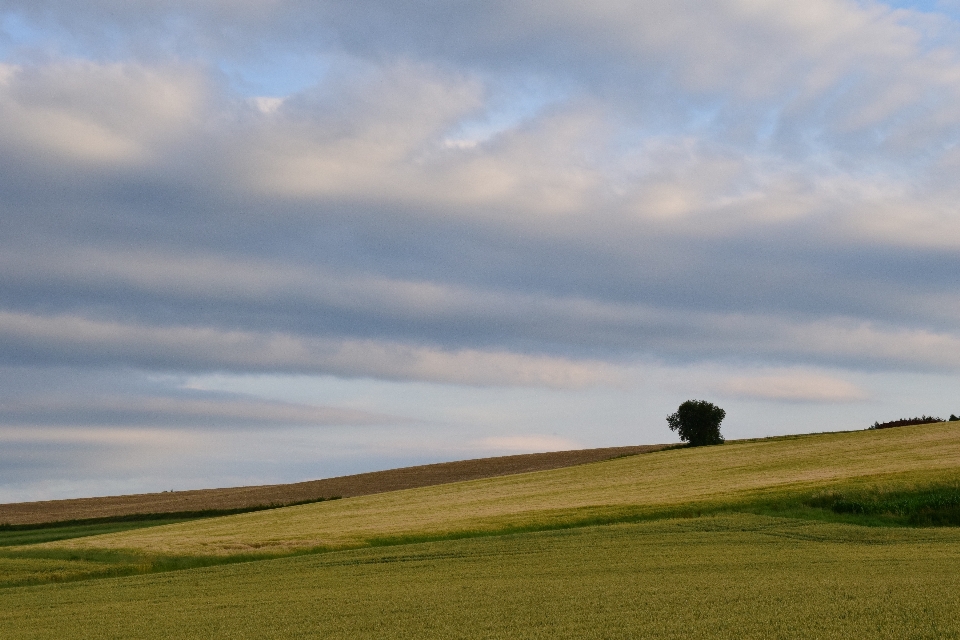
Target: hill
[751, 539]
[241, 498]
[663, 482]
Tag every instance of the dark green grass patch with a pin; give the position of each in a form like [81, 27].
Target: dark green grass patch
[937, 506]
[24, 567]
[23, 534]
[11, 535]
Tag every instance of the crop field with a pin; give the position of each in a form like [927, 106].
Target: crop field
[825, 535]
[250, 498]
[728, 576]
[664, 482]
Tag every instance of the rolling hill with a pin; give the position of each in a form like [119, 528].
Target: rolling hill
[803, 536]
[240, 498]
[669, 481]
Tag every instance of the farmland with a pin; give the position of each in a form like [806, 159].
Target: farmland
[738, 540]
[726, 576]
[255, 497]
[625, 488]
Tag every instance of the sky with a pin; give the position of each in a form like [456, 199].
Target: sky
[263, 241]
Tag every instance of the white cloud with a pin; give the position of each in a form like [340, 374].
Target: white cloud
[865, 341]
[363, 142]
[527, 443]
[470, 366]
[79, 111]
[267, 104]
[385, 143]
[530, 194]
[795, 386]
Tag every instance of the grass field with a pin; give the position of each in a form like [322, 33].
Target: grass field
[764, 538]
[253, 498]
[729, 576]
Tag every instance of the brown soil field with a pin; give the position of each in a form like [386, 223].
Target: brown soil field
[343, 486]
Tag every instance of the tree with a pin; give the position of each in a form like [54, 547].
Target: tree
[698, 422]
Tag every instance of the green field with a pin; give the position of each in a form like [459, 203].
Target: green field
[815, 536]
[735, 576]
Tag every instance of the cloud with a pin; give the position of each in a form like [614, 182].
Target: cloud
[71, 339]
[82, 112]
[747, 50]
[793, 387]
[295, 319]
[266, 104]
[70, 436]
[197, 412]
[874, 343]
[527, 443]
[482, 195]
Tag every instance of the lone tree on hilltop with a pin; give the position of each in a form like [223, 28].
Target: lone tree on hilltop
[698, 422]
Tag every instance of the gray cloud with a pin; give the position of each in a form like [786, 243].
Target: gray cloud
[177, 411]
[488, 194]
[39, 401]
[513, 224]
[79, 341]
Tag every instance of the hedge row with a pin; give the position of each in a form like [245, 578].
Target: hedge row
[905, 422]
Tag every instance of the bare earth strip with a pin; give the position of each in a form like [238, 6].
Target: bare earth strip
[344, 486]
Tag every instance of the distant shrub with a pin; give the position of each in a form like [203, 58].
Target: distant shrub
[906, 422]
[697, 422]
[953, 418]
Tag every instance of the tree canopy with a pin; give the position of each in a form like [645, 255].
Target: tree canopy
[697, 422]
